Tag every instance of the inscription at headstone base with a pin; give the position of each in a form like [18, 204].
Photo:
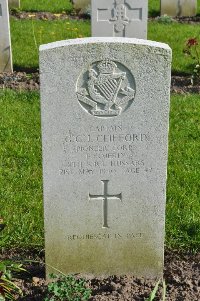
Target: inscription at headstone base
[14, 3]
[119, 18]
[5, 43]
[178, 8]
[105, 111]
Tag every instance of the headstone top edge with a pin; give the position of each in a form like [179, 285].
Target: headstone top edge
[96, 40]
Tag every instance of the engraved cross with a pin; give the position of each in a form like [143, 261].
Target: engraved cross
[1, 11]
[105, 197]
[119, 17]
[120, 14]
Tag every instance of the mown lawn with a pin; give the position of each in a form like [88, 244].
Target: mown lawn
[36, 32]
[65, 5]
[46, 5]
[183, 193]
[176, 36]
[21, 172]
[20, 169]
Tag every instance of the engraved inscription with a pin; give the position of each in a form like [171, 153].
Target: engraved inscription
[103, 236]
[105, 150]
[106, 89]
[105, 197]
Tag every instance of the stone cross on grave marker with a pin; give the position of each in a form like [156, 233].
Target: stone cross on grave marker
[5, 44]
[105, 197]
[119, 18]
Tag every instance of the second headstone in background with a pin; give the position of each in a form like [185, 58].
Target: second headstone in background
[5, 43]
[119, 18]
[14, 3]
[179, 8]
[82, 6]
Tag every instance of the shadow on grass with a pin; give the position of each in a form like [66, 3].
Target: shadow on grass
[67, 11]
[154, 13]
[18, 68]
[189, 70]
[191, 229]
[181, 73]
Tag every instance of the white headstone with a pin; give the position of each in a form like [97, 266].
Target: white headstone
[105, 110]
[178, 8]
[119, 18]
[14, 3]
[5, 43]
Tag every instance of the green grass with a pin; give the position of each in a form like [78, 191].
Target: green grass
[46, 5]
[36, 32]
[154, 8]
[183, 195]
[176, 35]
[21, 171]
[65, 5]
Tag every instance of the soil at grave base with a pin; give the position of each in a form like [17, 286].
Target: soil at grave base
[182, 275]
[30, 82]
[78, 15]
[186, 20]
[47, 16]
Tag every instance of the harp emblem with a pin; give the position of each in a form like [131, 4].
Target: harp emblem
[107, 91]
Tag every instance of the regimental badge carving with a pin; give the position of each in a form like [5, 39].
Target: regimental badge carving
[119, 18]
[106, 89]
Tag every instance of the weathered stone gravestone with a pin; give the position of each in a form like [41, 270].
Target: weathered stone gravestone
[83, 5]
[178, 8]
[5, 43]
[119, 18]
[14, 3]
[105, 109]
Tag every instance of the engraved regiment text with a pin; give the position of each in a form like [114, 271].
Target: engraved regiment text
[104, 150]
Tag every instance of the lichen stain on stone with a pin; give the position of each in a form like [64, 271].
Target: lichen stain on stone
[114, 257]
